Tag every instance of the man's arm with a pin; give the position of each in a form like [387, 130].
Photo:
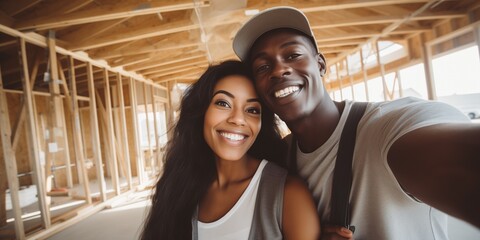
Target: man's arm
[440, 165]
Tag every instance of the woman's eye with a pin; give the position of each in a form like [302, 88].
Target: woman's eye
[222, 103]
[254, 111]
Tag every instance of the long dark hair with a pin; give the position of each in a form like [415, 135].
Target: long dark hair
[189, 162]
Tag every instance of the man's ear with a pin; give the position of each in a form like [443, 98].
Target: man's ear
[322, 63]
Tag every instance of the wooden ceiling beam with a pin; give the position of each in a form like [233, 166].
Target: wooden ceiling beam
[202, 65]
[162, 62]
[345, 22]
[336, 49]
[14, 7]
[5, 19]
[106, 52]
[61, 7]
[329, 5]
[193, 75]
[129, 35]
[387, 30]
[367, 34]
[147, 58]
[130, 60]
[106, 12]
[88, 31]
[186, 69]
[173, 66]
[339, 43]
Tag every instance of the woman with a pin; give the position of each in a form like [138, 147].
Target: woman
[214, 169]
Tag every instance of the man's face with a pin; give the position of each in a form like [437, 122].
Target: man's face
[287, 75]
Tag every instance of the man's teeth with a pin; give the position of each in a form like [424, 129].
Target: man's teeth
[286, 91]
[233, 136]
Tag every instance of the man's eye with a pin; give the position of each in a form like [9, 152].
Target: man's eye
[222, 103]
[293, 56]
[254, 111]
[262, 68]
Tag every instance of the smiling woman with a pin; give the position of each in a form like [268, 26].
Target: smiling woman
[217, 182]
[232, 120]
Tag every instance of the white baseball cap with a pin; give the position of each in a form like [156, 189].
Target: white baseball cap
[267, 20]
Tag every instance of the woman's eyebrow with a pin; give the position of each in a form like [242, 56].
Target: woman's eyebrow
[232, 96]
[224, 92]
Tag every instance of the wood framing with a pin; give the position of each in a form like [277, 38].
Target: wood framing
[123, 126]
[10, 163]
[138, 152]
[143, 48]
[97, 155]
[111, 134]
[77, 136]
[32, 136]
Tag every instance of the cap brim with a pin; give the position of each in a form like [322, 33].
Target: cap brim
[267, 20]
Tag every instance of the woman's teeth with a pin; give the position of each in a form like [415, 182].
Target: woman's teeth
[232, 136]
[286, 91]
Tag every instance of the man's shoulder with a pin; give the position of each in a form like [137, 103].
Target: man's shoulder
[409, 105]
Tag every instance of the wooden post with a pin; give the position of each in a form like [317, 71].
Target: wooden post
[64, 126]
[10, 163]
[400, 87]
[337, 71]
[364, 71]
[57, 128]
[102, 123]
[155, 125]
[21, 118]
[427, 64]
[382, 70]
[111, 133]
[123, 125]
[350, 77]
[138, 152]
[32, 135]
[169, 111]
[97, 152]
[77, 135]
[147, 123]
[122, 168]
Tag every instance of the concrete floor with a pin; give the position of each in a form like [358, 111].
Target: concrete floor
[120, 223]
[125, 222]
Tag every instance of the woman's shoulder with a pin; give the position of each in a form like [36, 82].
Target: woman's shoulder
[300, 218]
[296, 186]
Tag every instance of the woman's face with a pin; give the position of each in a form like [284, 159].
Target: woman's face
[233, 118]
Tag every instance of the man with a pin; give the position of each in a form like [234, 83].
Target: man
[411, 157]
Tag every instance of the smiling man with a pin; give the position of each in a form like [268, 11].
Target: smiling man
[413, 159]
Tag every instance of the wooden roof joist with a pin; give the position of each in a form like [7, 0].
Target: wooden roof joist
[13, 7]
[106, 52]
[367, 34]
[106, 12]
[165, 61]
[174, 66]
[132, 35]
[41, 41]
[367, 20]
[339, 5]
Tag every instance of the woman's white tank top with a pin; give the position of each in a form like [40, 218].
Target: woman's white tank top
[236, 223]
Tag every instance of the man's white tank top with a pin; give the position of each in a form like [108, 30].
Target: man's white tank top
[236, 223]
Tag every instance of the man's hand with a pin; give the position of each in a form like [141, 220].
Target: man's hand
[332, 232]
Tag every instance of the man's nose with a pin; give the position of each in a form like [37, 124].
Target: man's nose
[280, 70]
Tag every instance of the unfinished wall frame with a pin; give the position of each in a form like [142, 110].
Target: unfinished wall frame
[68, 72]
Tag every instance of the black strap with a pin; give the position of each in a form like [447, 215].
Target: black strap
[342, 176]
